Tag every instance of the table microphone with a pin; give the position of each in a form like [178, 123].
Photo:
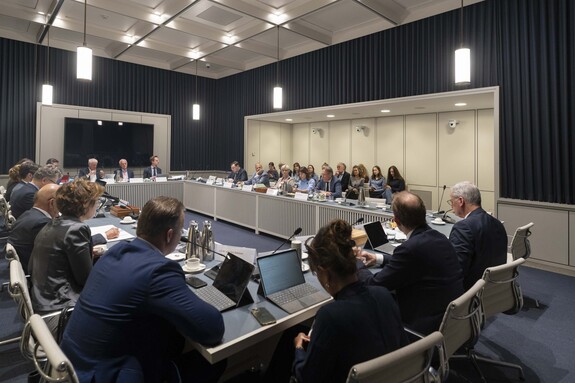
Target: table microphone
[296, 232]
[110, 197]
[447, 219]
[439, 211]
[359, 220]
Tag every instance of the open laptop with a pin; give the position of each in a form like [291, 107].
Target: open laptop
[283, 283]
[377, 238]
[229, 289]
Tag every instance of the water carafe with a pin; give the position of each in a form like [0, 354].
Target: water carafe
[193, 238]
[207, 242]
[361, 197]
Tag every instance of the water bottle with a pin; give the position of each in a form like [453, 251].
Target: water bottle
[361, 197]
[207, 242]
[193, 238]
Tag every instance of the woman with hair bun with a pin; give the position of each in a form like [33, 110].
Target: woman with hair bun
[361, 323]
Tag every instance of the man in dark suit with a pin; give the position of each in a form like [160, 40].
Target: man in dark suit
[259, 177]
[32, 221]
[343, 176]
[480, 240]
[138, 309]
[92, 172]
[237, 174]
[153, 170]
[328, 184]
[424, 271]
[23, 198]
[123, 174]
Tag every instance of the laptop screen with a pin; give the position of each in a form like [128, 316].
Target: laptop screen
[280, 271]
[233, 277]
[375, 234]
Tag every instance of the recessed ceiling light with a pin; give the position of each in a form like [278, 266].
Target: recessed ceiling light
[330, 116]
[289, 119]
[385, 111]
[461, 104]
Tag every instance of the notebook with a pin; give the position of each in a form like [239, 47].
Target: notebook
[283, 283]
[229, 289]
[377, 238]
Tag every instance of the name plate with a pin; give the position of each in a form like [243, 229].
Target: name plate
[161, 179]
[136, 180]
[110, 181]
[212, 178]
[228, 185]
[272, 192]
[219, 181]
[209, 182]
[300, 196]
[247, 187]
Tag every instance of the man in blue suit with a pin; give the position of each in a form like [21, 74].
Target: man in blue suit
[423, 271]
[259, 177]
[329, 185]
[479, 239]
[136, 308]
[153, 170]
[23, 198]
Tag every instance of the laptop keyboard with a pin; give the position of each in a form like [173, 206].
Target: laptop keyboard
[215, 297]
[293, 293]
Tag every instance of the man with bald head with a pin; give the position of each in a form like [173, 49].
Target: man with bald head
[423, 271]
[32, 221]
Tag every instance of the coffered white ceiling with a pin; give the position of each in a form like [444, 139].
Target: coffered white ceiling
[227, 36]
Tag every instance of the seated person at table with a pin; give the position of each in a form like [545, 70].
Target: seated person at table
[237, 174]
[329, 185]
[20, 174]
[362, 322]
[305, 184]
[356, 182]
[26, 228]
[395, 184]
[376, 183]
[123, 174]
[272, 172]
[92, 172]
[424, 270]
[312, 174]
[136, 308]
[23, 198]
[479, 239]
[153, 170]
[343, 176]
[62, 257]
[259, 177]
[285, 179]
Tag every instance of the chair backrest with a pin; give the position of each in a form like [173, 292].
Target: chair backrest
[461, 322]
[11, 253]
[520, 246]
[58, 367]
[502, 292]
[407, 364]
[19, 289]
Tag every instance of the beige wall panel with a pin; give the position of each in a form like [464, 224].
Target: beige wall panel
[420, 150]
[50, 134]
[485, 150]
[456, 148]
[319, 144]
[363, 142]
[270, 142]
[127, 117]
[571, 238]
[487, 200]
[300, 147]
[339, 143]
[284, 154]
[162, 138]
[389, 143]
[550, 235]
[252, 146]
[96, 115]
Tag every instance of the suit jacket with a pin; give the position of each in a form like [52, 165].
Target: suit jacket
[259, 179]
[129, 310]
[148, 172]
[362, 323]
[240, 175]
[86, 171]
[60, 263]
[119, 171]
[424, 272]
[334, 186]
[24, 233]
[345, 181]
[22, 199]
[480, 241]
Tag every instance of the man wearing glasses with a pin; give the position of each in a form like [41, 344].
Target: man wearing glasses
[23, 198]
[479, 239]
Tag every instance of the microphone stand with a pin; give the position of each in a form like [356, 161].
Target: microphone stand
[439, 211]
[447, 219]
[296, 232]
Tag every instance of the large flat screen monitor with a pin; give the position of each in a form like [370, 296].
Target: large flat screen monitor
[108, 142]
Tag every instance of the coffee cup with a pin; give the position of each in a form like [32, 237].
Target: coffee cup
[127, 219]
[192, 263]
[438, 220]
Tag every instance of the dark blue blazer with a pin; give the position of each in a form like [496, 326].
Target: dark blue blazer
[241, 175]
[22, 199]
[119, 171]
[130, 315]
[148, 172]
[84, 173]
[424, 272]
[480, 241]
[334, 186]
[24, 233]
[362, 323]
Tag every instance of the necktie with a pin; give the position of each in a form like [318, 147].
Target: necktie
[153, 172]
[327, 186]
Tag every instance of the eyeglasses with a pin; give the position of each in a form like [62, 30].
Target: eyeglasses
[450, 201]
[52, 181]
